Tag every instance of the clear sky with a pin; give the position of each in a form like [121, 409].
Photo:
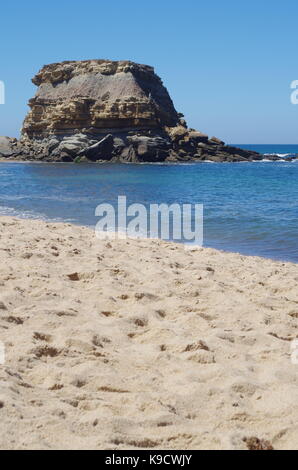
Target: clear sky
[228, 65]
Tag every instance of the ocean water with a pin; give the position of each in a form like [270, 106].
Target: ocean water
[283, 150]
[251, 208]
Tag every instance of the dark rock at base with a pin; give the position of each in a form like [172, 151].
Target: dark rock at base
[129, 155]
[65, 157]
[150, 149]
[102, 150]
[129, 148]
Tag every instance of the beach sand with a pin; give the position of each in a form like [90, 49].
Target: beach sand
[133, 344]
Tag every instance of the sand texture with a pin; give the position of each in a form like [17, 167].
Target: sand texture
[140, 344]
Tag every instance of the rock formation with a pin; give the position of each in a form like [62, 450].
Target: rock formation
[100, 110]
[8, 147]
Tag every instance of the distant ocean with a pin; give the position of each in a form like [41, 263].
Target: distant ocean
[251, 208]
[282, 150]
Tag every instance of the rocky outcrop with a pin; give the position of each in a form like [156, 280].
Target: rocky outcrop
[100, 110]
[8, 147]
[97, 96]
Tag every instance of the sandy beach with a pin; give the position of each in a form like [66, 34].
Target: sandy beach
[137, 344]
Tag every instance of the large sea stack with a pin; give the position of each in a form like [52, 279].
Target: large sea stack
[101, 110]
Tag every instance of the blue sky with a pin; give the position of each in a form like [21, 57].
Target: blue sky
[227, 64]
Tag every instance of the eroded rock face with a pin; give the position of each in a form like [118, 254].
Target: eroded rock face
[97, 96]
[100, 110]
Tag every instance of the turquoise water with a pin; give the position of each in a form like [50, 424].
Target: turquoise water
[250, 208]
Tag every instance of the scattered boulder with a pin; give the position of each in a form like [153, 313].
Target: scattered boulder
[129, 155]
[52, 145]
[7, 146]
[102, 150]
[69, 148]
[176, 133]
[150, 149]
[119, 145]
[198, 137]
[215, 140]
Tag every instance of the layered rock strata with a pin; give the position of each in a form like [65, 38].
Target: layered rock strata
[100, 110]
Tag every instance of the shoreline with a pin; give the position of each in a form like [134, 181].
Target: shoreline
[190, 162]
[140, 344]
[196, 248]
